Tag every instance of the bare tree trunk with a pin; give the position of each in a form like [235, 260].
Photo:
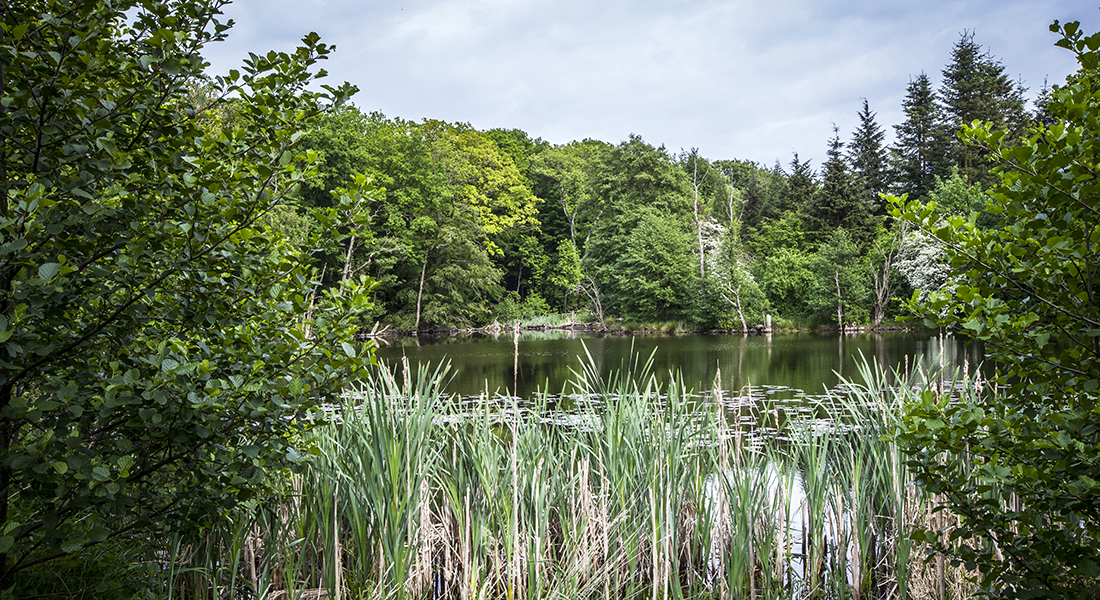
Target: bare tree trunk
[420, 292]
[593, 293]
[347, 259]
[839, 302]
[736, 302]
[695, 184]
[884, 290]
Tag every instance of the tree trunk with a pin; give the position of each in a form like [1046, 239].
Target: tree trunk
[883, 289]
[420, 292]
[736, 302]
[593, 294]
[695, 183]
[347, 259]
[839, 302]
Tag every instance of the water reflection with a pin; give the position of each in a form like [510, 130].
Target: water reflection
[523, 363]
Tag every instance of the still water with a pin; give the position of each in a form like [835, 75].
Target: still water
[808, 363]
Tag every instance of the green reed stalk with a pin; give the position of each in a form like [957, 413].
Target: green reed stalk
[647, 494]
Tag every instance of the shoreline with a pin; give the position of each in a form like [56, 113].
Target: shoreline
[497, 328]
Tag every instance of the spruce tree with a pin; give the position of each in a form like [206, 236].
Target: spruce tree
[919, 154]
[800, 188]
[868, 158]
[753, 204]
[838, 203]
[976, 88]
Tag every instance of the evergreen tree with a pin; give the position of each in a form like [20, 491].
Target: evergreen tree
[1041, 115]
[838, 203]
[976, 88]
[919, 154]
[801, 186]
[868, 158]
[754, 201]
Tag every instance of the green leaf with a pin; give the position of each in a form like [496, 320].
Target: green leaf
[72, 545]
[22, 461]
[348, 349]
[48, 271]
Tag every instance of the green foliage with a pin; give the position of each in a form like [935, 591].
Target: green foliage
[157, 362]
[762, 197]
[565, 273]
[731, 293]
[919, 153]
[839, 202]
[652, 279]
[788, 231]
[868, 159]
[954, 196]
[785, 277]
[517, 145]
[512, 308]
[457, 213]
[338, 141]
[841, 281]
[800, 189]
[976, 88]
[1020, 465]
[640, 251]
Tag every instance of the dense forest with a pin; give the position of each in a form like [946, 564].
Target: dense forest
[461, 227]
[168, 381]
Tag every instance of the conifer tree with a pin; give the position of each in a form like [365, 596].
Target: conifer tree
[801, 186]
[976, 88]
[919, 153]
[838, 203]
[868, 158]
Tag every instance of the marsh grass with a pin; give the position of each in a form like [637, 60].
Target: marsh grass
[643, 491]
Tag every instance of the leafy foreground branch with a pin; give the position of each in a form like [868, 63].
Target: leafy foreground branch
[638, 493]
[155, 365]
[1028, 288]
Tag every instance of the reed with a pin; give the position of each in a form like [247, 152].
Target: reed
[644, 491]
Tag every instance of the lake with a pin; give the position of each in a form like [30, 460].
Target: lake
[788, 365]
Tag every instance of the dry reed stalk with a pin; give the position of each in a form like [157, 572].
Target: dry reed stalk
[338, 566]
[605, 528]
[420, 575]
[514, 566]
[466, 591]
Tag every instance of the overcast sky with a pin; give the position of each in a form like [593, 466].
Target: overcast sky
[753, 80]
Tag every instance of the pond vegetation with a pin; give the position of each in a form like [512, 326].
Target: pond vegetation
[640, 491]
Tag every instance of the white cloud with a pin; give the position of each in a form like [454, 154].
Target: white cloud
[738, 79]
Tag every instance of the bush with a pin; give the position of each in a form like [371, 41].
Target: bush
[1021, 467]
[162, 354]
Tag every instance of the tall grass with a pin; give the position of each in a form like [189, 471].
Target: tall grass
[644, 491]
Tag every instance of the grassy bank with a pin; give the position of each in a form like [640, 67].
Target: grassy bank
[640, 493]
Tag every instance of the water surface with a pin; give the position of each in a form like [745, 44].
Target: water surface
[523, 364]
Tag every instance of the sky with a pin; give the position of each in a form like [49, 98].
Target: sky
[737, 79]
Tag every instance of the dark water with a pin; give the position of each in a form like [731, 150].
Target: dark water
[532, 361]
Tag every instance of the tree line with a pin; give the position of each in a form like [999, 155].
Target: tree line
[467, 226]
[170, 331]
